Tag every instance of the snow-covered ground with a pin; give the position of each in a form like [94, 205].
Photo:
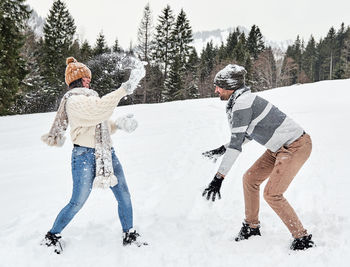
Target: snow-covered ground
[166, 175]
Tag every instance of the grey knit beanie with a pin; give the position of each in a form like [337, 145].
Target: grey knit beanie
[231, 77]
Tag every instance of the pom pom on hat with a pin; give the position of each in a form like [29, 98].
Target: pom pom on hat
[75, 70]
[70, 60]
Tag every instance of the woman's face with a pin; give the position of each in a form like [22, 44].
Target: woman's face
[86, 82]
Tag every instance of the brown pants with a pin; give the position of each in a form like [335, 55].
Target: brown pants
[281, 167]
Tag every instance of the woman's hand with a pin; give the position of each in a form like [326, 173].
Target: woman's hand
[136, 75]
[126, 123]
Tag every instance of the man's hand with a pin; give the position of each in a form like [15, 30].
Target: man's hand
[213, 188]
[215, 153]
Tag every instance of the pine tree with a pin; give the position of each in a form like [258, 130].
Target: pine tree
[207, 60]
[331, 45]
[155, 84]
[192, 79]
[144, 35]
[345, 55]
[221, 55]
[294, 52]
[85, 52]
[29, 98]
[331, 55]
[310, 59]
[164, 44]
[182, 36]
[100, 46]
[116, 47]
[326, 58]
[240, 53]
[209, 64]
[59, 30]
[174, 86]
[231, 42]
[321, 49]
[144, 47]
[255, 43]
[131, 50]
[75, 50]
[13, 15]
[338, 59]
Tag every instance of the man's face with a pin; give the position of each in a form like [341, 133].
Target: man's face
[224, 94]
[86, 82]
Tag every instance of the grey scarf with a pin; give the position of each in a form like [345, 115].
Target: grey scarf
[104, 168]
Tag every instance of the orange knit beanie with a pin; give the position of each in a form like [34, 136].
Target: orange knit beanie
[76, 70]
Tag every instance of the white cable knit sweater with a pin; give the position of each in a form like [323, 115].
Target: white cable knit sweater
[85, 112]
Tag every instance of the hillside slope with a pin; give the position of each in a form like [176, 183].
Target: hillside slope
[166, 175]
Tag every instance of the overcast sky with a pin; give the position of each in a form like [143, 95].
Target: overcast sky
[278, 20]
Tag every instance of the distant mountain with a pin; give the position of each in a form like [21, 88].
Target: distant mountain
[36, 23]
[200, 40]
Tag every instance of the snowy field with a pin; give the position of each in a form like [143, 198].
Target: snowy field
[166, 175]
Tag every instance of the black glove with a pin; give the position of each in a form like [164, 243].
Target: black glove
[215, 153]
[213, 188]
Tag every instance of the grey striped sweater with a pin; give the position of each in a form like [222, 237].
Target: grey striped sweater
[253, 118]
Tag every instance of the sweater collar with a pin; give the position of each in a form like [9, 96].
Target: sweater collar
[237, 93]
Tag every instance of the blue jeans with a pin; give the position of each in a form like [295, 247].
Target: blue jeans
[83, 172]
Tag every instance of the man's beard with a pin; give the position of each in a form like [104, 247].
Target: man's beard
[223, 97]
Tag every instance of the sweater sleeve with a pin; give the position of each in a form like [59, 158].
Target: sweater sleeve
[246, 140]
[112, 126]
[91, 110]
[241, 118]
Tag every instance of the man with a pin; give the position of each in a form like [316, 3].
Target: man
[288, 147]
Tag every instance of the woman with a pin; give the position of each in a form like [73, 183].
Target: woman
[94, 162]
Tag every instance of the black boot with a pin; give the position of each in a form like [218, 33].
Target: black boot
[53, 240]
[246, 232]
[130, 237]
[302, 243]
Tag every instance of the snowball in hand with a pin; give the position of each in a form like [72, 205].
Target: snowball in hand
[126, 123]
[136, 75]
